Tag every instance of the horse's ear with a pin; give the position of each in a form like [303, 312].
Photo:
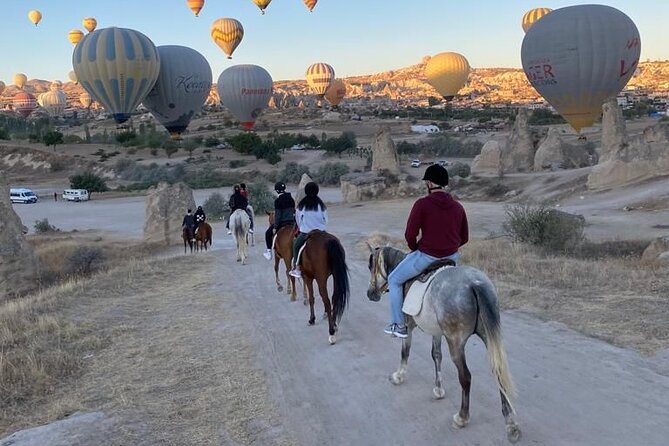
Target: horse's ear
[371, 250]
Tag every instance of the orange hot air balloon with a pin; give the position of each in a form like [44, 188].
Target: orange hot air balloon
[75, 36]
[336, 93]
[195, 6]
[310, 4]
[35, 16]
[227, 34]
[90, 24]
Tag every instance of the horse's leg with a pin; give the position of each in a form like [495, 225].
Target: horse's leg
[279, 287]
[290, 281]
[456, 346]
[332, 326]
[398, 376]
[309, 283]
[438, 390]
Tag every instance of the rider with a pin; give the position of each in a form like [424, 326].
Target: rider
[442, 223]
[311, 215]
[238, 201]
[200, 217]
[189, 222]
[243, 190]
[284, 214]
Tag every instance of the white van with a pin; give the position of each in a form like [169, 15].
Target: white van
[76, 195]
[22, 195]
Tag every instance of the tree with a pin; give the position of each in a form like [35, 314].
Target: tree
[89, 181]
[244, 142]
[52, 139]
[170, 148]
[189, 146]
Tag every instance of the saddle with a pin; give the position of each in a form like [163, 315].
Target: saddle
[428, 272]
[413, 297]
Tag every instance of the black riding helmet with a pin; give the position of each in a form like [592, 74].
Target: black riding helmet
[311, 189]
[437, 174]
[279, 187]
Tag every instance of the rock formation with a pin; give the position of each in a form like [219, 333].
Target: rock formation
[657, 251]
[372, 185]
[384, 153]
[299, 194]
[18, 264]
[614, 132]
[488, 159]
[165, 208]
[518, 154]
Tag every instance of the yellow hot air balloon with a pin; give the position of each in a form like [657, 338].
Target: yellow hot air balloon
[2, 87]
[310, 4]
[75, 36]
[227, 34]
[20, 80]
[35, 16]
[578, 57]
[262, 4]
[195, 6]
[319, 77]
[336, 93]
[532, 16]
[90, 24]
[73, 77]
[447, 73]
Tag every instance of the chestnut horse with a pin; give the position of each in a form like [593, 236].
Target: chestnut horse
[283, 250]
[321, 257]
[203, 236]
[187, 236]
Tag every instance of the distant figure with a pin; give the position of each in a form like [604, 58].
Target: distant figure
[238, 201]
[200, 217]
[284, 214]
[55, 196]
[189, 223]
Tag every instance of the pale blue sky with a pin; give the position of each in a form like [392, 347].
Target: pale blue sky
[354, 36]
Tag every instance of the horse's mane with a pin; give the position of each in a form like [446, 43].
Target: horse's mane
[392, 257]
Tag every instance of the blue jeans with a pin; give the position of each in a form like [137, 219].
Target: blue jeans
[412, 265]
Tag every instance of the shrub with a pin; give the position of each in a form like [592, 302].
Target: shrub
[57, 166]
[72, 139]
[292, 172]
[496, 190]
[260, 198]
[85, 260]
[89, 181]
[329, 174]
[42, 226]
[459, 169]
[552, 230]
[234, 164]
[216, 206]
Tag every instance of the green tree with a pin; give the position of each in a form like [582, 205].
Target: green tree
[244, 142]
[89, 181]
[189, 145]
[170, 148]
[52, 139]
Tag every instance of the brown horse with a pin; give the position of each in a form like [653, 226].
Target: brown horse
[203, 236]
[187, 236]
[322, 257]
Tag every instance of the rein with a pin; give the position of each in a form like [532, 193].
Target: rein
[379, 269]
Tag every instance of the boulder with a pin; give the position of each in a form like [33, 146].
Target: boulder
[384, 153]
[299, 194]
[657, 251]
[553, 153]
[488, 159]
[166, 206]
[19, 271]
[518, 154]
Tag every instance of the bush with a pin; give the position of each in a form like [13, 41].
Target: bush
[458, 169]
[329, 174]
[234, 164]
[89, 181]
[72, 139]
[260, 198]
[85, 260]
[43, 226]
[552, 230]
[292, 173]
[216, 206]
[496, 190]
[57, 166]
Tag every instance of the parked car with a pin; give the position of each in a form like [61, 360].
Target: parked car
[76, 195]
[444, 163]
[22, 195]
[415, 163]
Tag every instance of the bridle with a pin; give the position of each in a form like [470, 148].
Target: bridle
[378, 268]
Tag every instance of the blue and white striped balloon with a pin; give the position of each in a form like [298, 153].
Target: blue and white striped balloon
[118, 67]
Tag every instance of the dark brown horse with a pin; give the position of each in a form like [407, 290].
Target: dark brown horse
[187, 236]
[322, 257]
[283, 250]
[203, 236]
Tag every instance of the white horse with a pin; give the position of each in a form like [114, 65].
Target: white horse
[239, 226]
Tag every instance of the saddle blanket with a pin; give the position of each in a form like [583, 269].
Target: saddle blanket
[413, 301]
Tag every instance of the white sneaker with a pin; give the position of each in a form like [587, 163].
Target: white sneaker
[267, 254]
[296, 273]
[229, 232]
[250, 231]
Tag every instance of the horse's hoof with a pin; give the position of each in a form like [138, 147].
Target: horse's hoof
[332, 339]
[459, 422]
[293, 298]
[513, 433]
[312, 321]
[280, 289]
[239, 260]
[396, 378]
[438, 393]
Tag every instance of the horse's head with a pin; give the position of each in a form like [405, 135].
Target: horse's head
[378, 282]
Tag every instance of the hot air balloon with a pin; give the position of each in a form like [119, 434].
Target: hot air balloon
[578, 57]
[20, 80]
[75, 36]
[320, 77]
[310, 4]
[532, 16]
[2, 87]
[56, 85]
[181, 89]
[336, 93]
[85, 99]
[245, 90]
[54, 102]
[195, 6]
[447, 73]
[24, 103]
[35, 16]
[90, 24]
[262, 4]
[73, 77]
[227, 34]
[118, 67]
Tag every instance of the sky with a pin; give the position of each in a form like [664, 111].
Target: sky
[354, 36]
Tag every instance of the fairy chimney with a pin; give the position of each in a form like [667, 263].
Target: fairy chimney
[300, 189]
[384, 153]
[518, 155]
[166, 206]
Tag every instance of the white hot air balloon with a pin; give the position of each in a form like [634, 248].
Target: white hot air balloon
[54, 102]
[578, 57]
[245, 90]
[182, 87]
[319, 77]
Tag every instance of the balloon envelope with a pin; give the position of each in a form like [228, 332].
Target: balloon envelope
[56, 85]
[245, 90]
[531, 16]
[54, 102]
[20, 80]
[262, 4]
[227, 34]
[118, 67]
[578, 57]
[72, 76]
[35, 16]
[24, 103]
[310, 4]
[336, 93]
[319, 77]
[90, 24]
[182, 87]
[75, 36]
[195, 6]
[447, 73]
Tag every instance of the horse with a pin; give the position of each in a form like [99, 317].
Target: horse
[459, 302]
[239, 225]
[321, 257]
[187, 236]
[203, 236]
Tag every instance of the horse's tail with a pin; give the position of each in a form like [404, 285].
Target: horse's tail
[337, 262]
[489, 323]
[240, 234]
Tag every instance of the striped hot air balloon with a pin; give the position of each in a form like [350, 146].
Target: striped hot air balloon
[54, 102]
[319, 77]
[75, 36]
[262, 4]
[90, 24]
[336, 93]
[118, 67]
[195, 6]
[310, 4]
[531, 16]
[245, 90]
[24, 103]
[447, 73]
[227, 34]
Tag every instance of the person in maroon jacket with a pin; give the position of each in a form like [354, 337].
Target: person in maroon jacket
[442, 224]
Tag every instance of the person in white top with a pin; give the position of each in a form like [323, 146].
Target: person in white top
[311, 215]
